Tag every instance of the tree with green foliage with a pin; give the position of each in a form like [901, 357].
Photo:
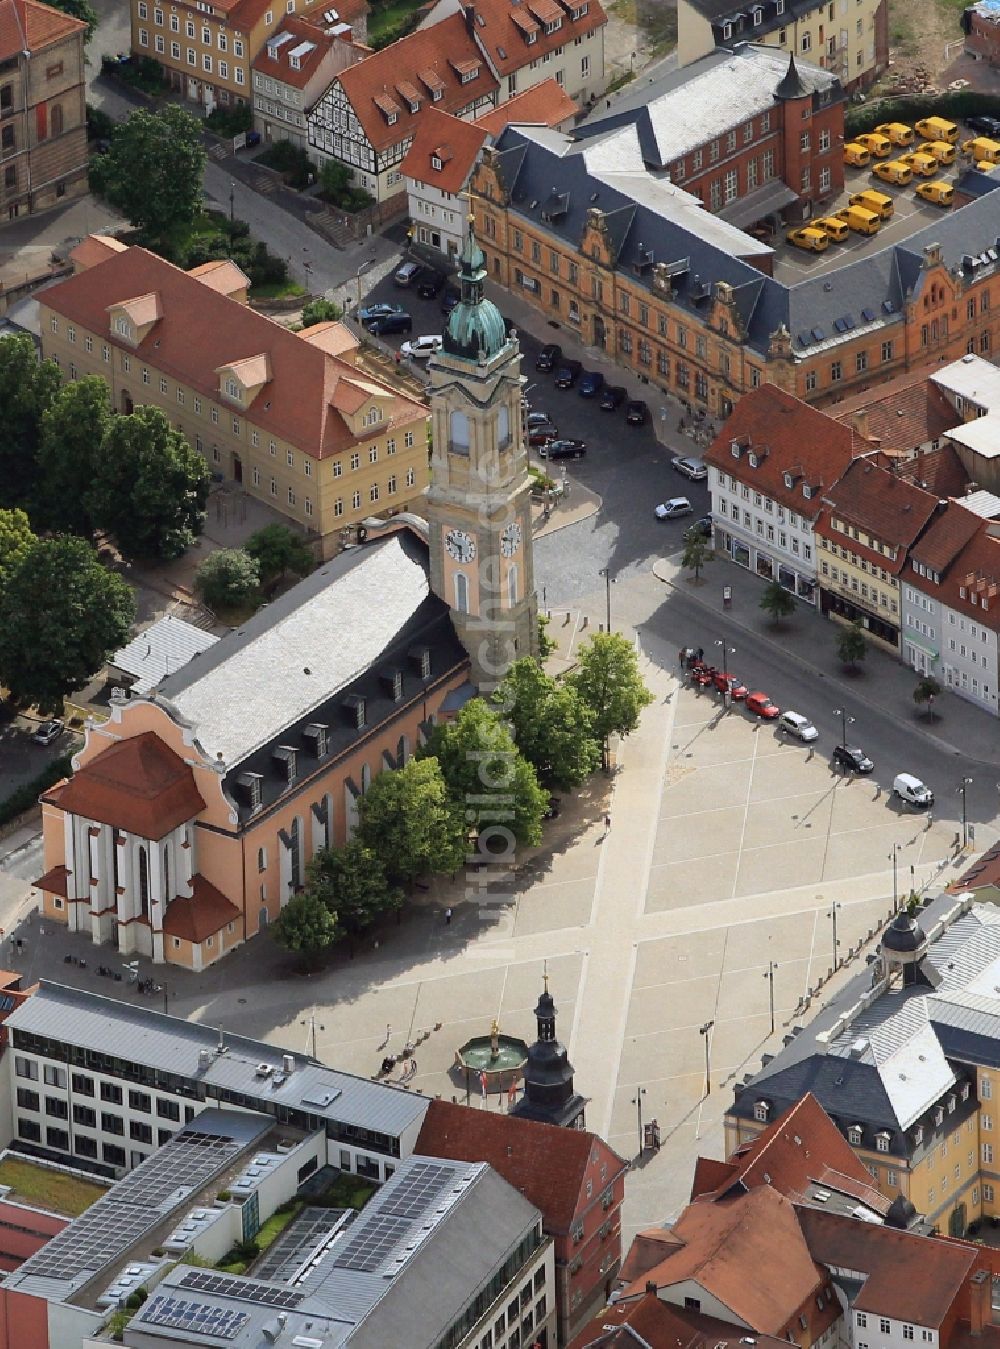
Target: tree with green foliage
[27, 387]
[78, 9]
[306, 926]
[851, 645]
[320, 311]
[229, 578]
[73, 429]
[61, 615]
[608, 682]
[489, 781]
[278, 551]
[553, 727]
[153, 170]
[335, 179]
[927, 690]
[16, 538]
[546, 644]
[778, 602]
[150, 487]
[352, 882]
[697, 551]
[407, 820]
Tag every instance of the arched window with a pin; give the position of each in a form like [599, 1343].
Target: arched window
[461, 592]
[512, 584]
[295, 836]
[366, 778]
[503, 428]
[261, 859]
[458, 433]
[56, 119]
[143, 880]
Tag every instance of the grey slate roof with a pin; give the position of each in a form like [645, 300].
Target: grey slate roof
[153, 1039]
[161, 649]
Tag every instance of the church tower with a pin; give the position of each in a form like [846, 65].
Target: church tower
[549, 1092]
[479, 500]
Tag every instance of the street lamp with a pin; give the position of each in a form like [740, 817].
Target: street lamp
[769, 976]
[606, 573]
[896, 847]
[637, 1102]
[232, 201]
[705, 1032]
[363, 268]
[727, 651]
[836, 943]
[845, 721]
[966, 783]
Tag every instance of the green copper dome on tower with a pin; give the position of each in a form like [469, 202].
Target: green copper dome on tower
[475, 329]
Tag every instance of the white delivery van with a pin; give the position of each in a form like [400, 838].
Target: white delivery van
[909, 788]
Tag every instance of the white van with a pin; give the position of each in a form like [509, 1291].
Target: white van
[909, 788]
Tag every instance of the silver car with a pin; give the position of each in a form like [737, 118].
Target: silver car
[799, 726]
[669, 510]
[690, 467]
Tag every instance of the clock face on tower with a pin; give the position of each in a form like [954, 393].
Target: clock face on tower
[460, 545]
[510, 540]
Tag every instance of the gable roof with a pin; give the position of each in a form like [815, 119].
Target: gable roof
[309, 43]
[749, 1253]
[976, 571]
[454, 143]
[944, 540]
[644, 1322]
[139, 785]
[431, 58]
[200, 916]
[296, 404]
[940, 471]
[546, 104]
[94, 249]
[899, 415]
[522, 1151]
[883, 504]
[909, 1277]
[27, 26]
[787, 436]
[504, 28]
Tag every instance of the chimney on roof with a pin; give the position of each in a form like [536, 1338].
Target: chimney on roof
[980, 1301]
[470, 20]
[859, 423]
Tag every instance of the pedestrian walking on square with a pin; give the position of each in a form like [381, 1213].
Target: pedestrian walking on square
[447, 917]
[700, 653]
[607, 825]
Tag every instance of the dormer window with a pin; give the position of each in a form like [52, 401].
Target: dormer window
[756, 13]
[469, 75]
[319, 734]
[789, 481]
[727, 30]
[531, 36]
[752, 459]
[779, 7]
[882, 1142]
[736, 449]
[437, 95]
[918, 1135]
[436, 162]
[580, 10]
[553, 25]
[285, 757]
[123, 328]
[392, 681]
[807, 491]
[373, 416]
[355, 711]
[420, 658]
[952, 1103]
[761, 1110]
[250, 783]
[391, 118]
[233, 390]
[294, 62]
[939, 1114]
[854, 1135]
[965, 1091]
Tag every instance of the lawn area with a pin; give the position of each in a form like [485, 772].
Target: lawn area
[49, 1189]
[389, 20]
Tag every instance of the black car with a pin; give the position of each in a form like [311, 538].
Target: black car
[984, 126]
[429, 284]
[451, 297]
[852, 757]
[549, 356]
[591, 384]
[612, 397]
[704, 526]
[562, 449]
[636, 412]
[567, 374]
[391, 323]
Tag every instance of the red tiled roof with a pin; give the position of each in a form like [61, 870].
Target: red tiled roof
[940, 471]
[278, 66]
[976, 571]
[94, 249]
[985, 871]
[139, 785]
[453, 142]
[544, 104]
[203, 915]
[25, 25]
[787, 436]
[898, 416]
[502, 27]
[522, 1151]
[428, 57]
[909, 1277]
[945, 538]
[750, 1254]
[296, 404]
[649, 1249]
[882, 505]
[54, 882]
[711, 1175]
[644, 1320]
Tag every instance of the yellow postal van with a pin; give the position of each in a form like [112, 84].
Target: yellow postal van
[941, 150]
[982, 149]
[830, 225]
[894, 171]
[859, 220]
[856, 155]
[898, 132]
[924, 166]
[873, 201]
[940, 193]
[937, 129]
[809, 238]
[878, 146]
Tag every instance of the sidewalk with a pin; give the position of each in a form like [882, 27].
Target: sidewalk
[884, 684]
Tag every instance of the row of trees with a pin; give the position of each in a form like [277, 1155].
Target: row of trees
[479, 787]
[231, 578]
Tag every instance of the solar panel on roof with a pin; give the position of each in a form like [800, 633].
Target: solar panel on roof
[225, 1323]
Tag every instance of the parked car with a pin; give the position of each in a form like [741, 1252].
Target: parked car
[542, 433]
[539, 419]
[761, 706]
[567, 373]
[737, 689]
[675, 506]
[48, 732]
[909, 788]
[377, 311]
[549, 356]
[704, 525]
[799, 726]
[429, 284]
[391, 323]
[690, 467]
[703, 675]
[612, 397]
[562, 449]
[422, 348]
[636, 412]
[451, 296]
[591, 384]
[984, 126]
[852, 757]
[407, 274]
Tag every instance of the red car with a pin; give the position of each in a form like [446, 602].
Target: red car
[737, 689]
[703, 676]
[761, 705]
